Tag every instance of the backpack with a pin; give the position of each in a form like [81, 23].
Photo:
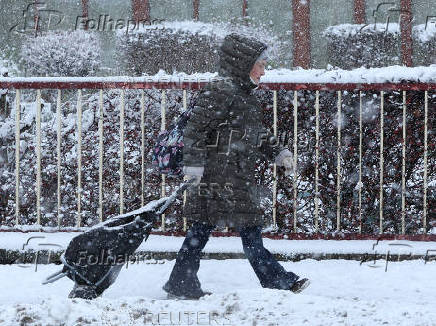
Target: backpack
[168, 150]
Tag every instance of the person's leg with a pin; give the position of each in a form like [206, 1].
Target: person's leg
[183, 280]
[269, 272]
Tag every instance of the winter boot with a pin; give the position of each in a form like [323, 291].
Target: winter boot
[300, 285]
[191, 295]
[83, 292]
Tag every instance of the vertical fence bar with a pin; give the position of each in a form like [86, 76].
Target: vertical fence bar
[100, 156]
[381, 161]
[360, 162]
[162, 127]
[294, 180]
[338, 154]
[38, 156]
[17, 155]
[142, 103]
[79, 157]
[424, 222]
[317, 162]
[403, 170]
[274, 203]
[185, 223]
[122, 153]
[58, 151]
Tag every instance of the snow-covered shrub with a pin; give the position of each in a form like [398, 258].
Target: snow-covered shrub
[352, 45]
[186, 46]
[90, 161]
[168, 50]
[424, 38]
[349, 158]
[62, 53]
[5, 137]
[4, 72]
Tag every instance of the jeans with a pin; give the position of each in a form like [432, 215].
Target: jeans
[184, 281]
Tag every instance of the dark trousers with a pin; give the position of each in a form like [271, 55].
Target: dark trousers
[184, 281]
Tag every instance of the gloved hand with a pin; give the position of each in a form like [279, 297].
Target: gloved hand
[285, 158]
[193, 172]
[289, 165]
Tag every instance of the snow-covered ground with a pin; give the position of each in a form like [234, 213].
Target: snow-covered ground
[341, 293]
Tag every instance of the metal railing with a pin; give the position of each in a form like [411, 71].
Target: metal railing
[142, 83]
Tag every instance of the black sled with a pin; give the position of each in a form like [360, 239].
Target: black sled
[94, 258]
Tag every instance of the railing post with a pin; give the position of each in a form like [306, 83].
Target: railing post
[79, 157]
[162, 127]
[38, 157]
[360, 185]
[274, 203]
[381, 162]
[424, 222]
[185, 223]
[122, 152]
[294, 180]
[142, 104]
[317, 162]
[100, 156]
[403, 170]
[58, 151]
[17, 155]
[338, 154]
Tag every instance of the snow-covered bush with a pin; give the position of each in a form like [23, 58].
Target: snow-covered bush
[424, 38]
[169, 50]
[62, 53]
[349, 158]
[5, 138]
[187, 46]
[353, 46]
[90, 152]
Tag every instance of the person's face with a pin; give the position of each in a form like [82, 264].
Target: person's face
[258, 70]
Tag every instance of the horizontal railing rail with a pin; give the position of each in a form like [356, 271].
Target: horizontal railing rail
[193, 84]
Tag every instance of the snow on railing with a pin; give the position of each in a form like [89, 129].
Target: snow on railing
[375, 79]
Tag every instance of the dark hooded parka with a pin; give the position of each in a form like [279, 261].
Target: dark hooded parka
[225, 136]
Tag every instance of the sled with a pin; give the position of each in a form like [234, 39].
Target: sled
[95, 257]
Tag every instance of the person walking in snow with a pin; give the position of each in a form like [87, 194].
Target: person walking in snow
[223, 140]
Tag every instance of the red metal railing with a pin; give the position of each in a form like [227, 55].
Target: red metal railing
[144, 83]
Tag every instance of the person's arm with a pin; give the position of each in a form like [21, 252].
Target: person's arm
[275, 151]
[195, 135]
